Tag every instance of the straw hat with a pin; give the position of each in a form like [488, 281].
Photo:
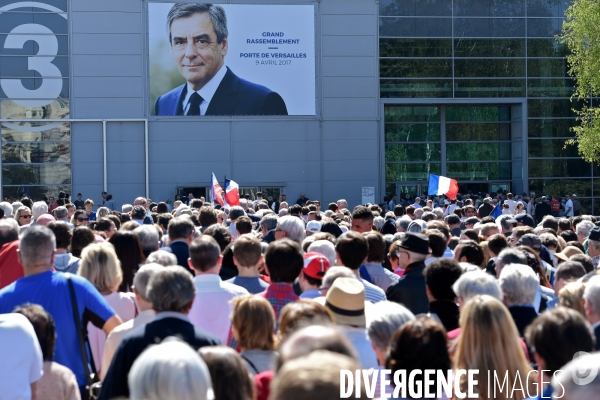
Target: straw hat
[567, 253]
[346, 301]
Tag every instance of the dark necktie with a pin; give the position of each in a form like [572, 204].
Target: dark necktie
[195, 101]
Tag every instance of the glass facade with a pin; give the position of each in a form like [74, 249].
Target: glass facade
[478, 49]
[34, 86]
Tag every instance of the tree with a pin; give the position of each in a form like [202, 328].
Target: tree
[581, 33]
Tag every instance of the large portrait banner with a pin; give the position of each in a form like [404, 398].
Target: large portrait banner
[231, 59]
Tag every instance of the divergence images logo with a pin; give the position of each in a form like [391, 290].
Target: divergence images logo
[583, 375]
[32, 78]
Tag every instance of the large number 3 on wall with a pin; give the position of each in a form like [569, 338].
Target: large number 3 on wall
[51, 84]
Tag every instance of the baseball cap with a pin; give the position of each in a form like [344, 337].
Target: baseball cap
[315, 265]
[525, 219]
[595, 234]
[313, 226]
[531, 240]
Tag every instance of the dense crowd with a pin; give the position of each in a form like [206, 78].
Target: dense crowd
[271, 300]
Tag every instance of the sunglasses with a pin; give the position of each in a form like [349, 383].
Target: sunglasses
[83, 219]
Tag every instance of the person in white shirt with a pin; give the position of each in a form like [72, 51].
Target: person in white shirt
[511, 203]
[591, 296]
[569, 212]
[211, 308]
[140, 283]
[22, 363]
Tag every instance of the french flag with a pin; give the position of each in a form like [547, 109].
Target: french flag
[217, 190]
[440, 185]
[232, 194]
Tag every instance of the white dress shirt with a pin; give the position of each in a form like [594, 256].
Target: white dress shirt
[207, 92]
[211, 307]
[358, 337]
[114, 338]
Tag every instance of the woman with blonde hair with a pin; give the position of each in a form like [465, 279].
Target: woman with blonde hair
[100, 265]
[300, 314]
[489, 342]
[253, 323]
[571, 296]
[23, 216]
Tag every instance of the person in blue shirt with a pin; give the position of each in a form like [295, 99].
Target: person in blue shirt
[50, 289]
[88, 205]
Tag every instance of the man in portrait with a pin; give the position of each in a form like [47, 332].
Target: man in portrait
[199, 42]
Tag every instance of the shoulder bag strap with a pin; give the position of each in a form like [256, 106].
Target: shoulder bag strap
[251, 364]
[79, 329]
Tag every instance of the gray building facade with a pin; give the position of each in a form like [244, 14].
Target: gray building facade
[396, 85]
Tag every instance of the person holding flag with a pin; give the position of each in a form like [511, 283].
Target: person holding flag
[232, 194]
[217, 191]
[441, 185]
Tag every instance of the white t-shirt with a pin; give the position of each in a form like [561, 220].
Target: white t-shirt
[511, 205]
[569, 204]
[22, 362]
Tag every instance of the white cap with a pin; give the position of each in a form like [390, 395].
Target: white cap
[313, 226]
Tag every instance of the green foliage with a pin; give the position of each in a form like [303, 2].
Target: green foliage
[581, 33]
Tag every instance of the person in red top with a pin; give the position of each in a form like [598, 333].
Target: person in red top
[51, 205]
[555, 207]
[10, 267]
[284, 264]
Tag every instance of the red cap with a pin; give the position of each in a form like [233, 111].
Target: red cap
[315, 265]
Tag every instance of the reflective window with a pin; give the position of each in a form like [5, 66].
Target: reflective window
[390, 88]
[35, 192]
[479, 171]
[36, 174]
[489, 27]
[415, 7]
[488, 8]
[581, 187]
[36, 152]
[412, 152]
[478, 151]
[391, 47]
[550, 87]
[544, 27]
[415, 27]
[559, 167]
[489, 88]
[477, 114]
[412, 132]
[546, 48]
[551, 127]
[551, 148]
[472, 132]
[411, 68]
[464, 47]
[490, 68]
[546, 8]
[547, 67]
[410, 172]
[411, 114]
[548, 108]
[34, 86]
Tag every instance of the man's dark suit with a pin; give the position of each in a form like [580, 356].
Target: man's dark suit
[182, 251]
[541, 210]
[234, 96]
[597, 334]
[523, 316]
[136, 341]
[270, 237]
[410, 289]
